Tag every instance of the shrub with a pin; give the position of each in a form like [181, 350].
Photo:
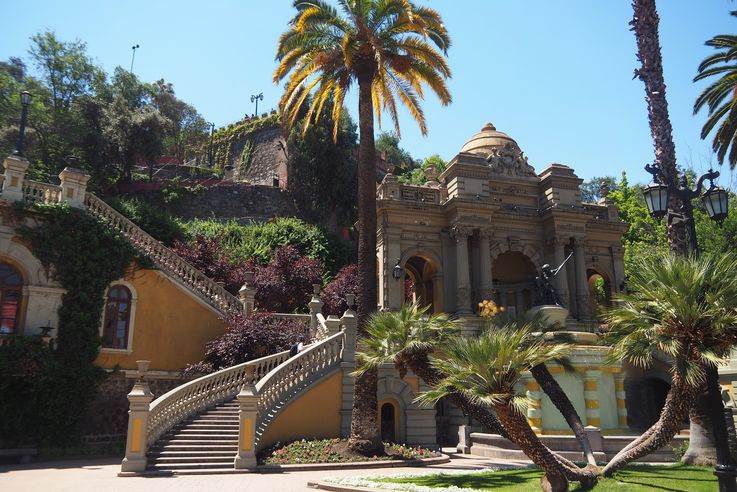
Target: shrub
[334, 294]
[151, 219]
[285, 284]
[249, 338]
[207, 255]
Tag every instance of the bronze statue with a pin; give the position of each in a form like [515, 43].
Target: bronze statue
[545, 288]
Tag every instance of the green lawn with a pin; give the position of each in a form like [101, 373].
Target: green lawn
[676, 478]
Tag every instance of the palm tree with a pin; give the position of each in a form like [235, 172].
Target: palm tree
[682, 310]
[719, 96]
[387, 48]
[410, 337]
[487, 371]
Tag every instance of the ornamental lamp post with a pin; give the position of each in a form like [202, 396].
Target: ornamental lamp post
[25, 101]
[716, 202]
[209, 151]
[255, 98]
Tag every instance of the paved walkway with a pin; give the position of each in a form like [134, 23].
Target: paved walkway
[100, 475]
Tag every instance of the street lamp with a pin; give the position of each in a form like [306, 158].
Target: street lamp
[255, 98]
[397, 270]
[25, 101]
[134, 48]
[209, 151]
[716, 202]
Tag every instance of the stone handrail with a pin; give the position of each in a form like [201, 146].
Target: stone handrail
[277, 384]
[199, 394]
[206, 288]
[34, 191]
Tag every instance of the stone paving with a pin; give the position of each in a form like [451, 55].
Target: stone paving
[100, 475]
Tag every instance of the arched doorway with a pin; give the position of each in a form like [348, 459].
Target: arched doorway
[11, 294]
[645, 397]
[390, 426]
[600, 291]
[514, 282]
[419, 282]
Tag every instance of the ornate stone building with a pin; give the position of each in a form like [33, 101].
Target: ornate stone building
[487, 225]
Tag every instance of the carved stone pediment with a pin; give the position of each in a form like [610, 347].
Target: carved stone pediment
[509, 160]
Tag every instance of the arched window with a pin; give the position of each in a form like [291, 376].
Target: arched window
[11, 293]
[117, 319]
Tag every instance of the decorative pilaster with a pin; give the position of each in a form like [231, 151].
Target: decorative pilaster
[136, 443]
[350, 324]
[561, 279]
[247, 295]
[315, 308]
[73, 186]
[487, 286]
[582, 281]
[591, 397]
[15, 172]
[463, 282]
[247, 413]
[534, 407]
[621, 400]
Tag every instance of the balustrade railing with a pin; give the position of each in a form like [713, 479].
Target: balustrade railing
[34, 191]
[208, 290]
[197, 395]
[274, 387]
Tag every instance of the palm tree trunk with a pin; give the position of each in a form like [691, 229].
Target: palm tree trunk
[561, 401]
[522, 435]
[701, 449]
[365, 436]
[677, 404]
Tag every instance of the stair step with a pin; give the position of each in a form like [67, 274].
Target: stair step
[206, 430]
[194, 452]
[214, 418]
[201, 435]
[191, 460]
[191, 466]
[204, 442]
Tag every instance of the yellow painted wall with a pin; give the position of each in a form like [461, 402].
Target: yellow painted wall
[315, 414]
[171, 327]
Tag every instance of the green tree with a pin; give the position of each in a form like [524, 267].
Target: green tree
[719, 96]
[188, 129]
[683, 311]
[385, 47]
[591, 189]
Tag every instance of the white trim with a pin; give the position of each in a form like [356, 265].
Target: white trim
[131, 319]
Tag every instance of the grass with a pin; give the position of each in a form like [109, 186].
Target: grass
[675, 478]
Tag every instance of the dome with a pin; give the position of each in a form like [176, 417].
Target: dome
[487, 139]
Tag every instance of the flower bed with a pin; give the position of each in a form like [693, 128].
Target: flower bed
[336, 451]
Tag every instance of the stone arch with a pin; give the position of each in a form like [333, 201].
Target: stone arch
[596, 301]
[394, 390]
[528, 250]
[514, 281]
[424, 268]
[33, 271]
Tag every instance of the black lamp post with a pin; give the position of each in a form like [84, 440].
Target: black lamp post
[255, 98]
[25, 101]
[134, 48]
[209, 151]
[397, 270]
[716, 202]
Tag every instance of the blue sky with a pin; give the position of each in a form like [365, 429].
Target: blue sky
[556, 76]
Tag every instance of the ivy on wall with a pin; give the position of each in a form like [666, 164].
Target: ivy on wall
[226, 141]
[45, 390]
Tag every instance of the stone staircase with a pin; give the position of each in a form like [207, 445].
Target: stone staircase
[206, 443]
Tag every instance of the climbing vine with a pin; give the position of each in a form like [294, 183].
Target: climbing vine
[226, 140]
[85, 256]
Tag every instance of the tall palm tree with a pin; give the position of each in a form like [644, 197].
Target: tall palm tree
[720, 96]
[684, 309]
[390, 49]
[409, 338]
[645, 25]
[487, 370]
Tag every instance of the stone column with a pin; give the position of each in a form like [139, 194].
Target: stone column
[534, 408]
[463, 282]
[561, 279]
[73, 186]
[350, 324]
[136, 443]
[15, 172]
[487, 284]
[247, 295]
[582, 281]
[247, 412]
[315, 308]
[348, 365]
[621, 400]
[591, 397]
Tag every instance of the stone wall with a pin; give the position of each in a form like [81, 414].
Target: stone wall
[106, 421]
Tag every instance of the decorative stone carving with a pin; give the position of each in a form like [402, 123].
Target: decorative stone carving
[463, 296]
[458, 232]
[510, 160]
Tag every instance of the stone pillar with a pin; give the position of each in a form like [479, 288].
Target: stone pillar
[503, 299]
[247, 295]
[582, 281]
[15, 172]
[487, 285]
[621, 400]
[315, 308]
[73, 186]
[591, 397]
[348, 365]
[247, 412]
[534, 408]
[350, 324]
[136, 443]
[561, 279]
[463, 281]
